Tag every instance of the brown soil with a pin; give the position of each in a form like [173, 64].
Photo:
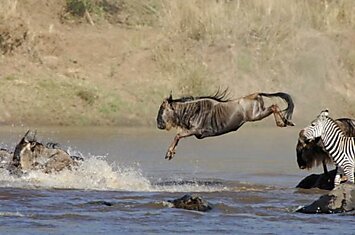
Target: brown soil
[60, 70]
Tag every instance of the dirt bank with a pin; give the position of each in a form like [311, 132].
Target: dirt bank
[112, 63]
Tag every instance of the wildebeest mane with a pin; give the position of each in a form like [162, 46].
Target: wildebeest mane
[220, 96]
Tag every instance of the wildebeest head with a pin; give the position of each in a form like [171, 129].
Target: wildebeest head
[165, 118]
[23, 151]
[310, 153]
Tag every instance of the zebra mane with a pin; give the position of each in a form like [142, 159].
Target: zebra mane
[334, 123]
[220, 96]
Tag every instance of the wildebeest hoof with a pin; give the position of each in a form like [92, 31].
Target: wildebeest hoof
[170, 154]
[289, 123]
[281, 124]
[285, 123]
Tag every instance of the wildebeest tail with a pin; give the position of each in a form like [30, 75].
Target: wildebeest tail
[286, 97]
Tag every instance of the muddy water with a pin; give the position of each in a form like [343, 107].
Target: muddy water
[123, 185]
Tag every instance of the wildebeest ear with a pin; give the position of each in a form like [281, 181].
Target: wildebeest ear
[33, 144]
[34, 136]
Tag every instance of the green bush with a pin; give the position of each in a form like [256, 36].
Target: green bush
[78, 7]
[88, 96]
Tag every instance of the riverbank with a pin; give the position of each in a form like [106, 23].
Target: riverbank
[60, 67]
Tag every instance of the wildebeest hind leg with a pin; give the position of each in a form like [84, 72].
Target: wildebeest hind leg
[280, 120]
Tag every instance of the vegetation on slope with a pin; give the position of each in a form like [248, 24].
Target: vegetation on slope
[110, 62]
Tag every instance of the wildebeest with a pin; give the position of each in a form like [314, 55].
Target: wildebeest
[32, 155]
[312, 153]
[207, 116]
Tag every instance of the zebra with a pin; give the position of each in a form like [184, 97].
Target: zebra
[340, 148]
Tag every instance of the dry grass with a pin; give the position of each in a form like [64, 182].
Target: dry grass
[295, 46]
[8, 9]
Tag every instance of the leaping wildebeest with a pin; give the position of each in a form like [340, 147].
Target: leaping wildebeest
[207, 116]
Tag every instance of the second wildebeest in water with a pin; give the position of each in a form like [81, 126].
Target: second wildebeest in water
[207, 116]
[32, 155]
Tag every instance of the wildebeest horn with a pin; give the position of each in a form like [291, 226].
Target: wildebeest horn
[25, 136]
[170, 98]
[34, 136]
[28, 131]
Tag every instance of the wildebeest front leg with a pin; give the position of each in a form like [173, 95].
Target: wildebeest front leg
[325, 169]
[171, 150]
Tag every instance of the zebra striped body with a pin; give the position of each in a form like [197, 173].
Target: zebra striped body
[339, 147]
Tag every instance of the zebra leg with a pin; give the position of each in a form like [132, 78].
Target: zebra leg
[349, 172]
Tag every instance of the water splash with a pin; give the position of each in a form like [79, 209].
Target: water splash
[195, 185]
[95, 173]
[11, 214]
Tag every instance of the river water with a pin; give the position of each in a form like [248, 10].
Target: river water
[124, 184]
